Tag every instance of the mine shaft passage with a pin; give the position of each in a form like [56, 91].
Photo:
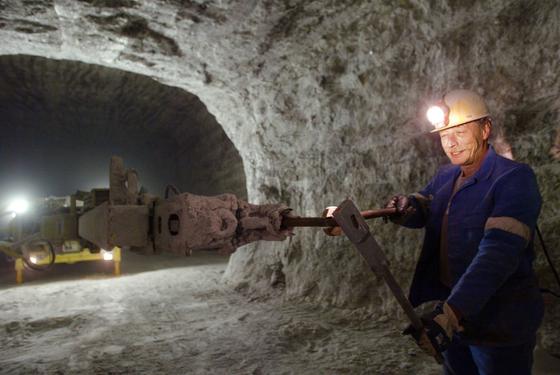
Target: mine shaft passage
[62, 120]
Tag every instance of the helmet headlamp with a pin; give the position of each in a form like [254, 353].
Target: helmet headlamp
[438, 115]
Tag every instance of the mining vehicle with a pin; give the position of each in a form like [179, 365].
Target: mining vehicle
[47, 234]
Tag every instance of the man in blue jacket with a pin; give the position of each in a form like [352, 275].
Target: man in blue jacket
[479, 215]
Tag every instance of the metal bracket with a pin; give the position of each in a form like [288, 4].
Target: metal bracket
[356, 229]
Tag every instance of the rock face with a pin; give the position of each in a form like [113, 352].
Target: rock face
[325, 100]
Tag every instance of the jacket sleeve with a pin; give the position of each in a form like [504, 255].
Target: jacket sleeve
[507, 232]
[421, 202]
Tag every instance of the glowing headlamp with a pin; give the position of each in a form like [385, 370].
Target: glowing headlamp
[438, 115]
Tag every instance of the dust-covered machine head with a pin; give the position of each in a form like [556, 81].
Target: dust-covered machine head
[179, 222]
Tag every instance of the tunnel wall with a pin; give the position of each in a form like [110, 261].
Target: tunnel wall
[206, 161]
[325, 100]
[358, 89]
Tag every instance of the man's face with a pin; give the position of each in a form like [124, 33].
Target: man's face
[464, 144]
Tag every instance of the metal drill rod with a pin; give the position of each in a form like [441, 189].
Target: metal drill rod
[325, 222]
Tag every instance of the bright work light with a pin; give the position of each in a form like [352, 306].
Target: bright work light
[18, 206]
[107, 255]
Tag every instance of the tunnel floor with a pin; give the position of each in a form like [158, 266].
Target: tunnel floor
[156, 319]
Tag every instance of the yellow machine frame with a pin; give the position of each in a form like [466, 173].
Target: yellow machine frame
[84, 255]
[59, 227]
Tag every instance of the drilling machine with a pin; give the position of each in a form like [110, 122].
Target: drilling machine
[95, 225]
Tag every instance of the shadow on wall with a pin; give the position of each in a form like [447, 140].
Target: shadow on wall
[62, 120]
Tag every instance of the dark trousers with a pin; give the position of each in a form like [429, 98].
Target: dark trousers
[464, 359]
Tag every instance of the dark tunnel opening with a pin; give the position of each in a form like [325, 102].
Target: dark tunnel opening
[62, 120]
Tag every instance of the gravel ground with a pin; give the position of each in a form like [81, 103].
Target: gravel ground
[173, 315]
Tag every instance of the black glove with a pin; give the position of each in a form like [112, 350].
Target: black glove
[439, 327]
[404, 207]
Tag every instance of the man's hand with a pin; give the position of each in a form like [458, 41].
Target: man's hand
[439, 327]
[404, 208]
[332, 231]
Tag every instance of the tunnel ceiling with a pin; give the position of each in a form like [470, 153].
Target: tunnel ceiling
[62, 120]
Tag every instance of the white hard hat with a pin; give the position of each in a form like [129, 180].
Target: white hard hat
[456, 108]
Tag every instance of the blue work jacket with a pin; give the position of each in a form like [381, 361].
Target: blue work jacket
[491, 222]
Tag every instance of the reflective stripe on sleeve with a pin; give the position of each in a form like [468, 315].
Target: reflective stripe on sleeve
[509, 224]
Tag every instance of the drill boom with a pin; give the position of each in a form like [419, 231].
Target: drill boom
[292, 222]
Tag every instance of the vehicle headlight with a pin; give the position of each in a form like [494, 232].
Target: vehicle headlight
[107, 255]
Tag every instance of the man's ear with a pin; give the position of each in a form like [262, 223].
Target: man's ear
[486, 129]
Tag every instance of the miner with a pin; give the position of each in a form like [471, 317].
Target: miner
[479, 213]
